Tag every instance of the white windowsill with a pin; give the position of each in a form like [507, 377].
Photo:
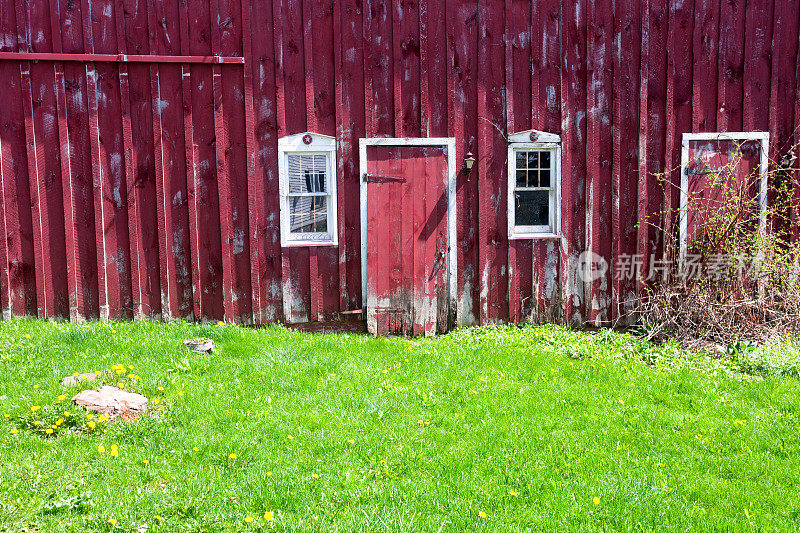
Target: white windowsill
[530, 236]
[300, 244]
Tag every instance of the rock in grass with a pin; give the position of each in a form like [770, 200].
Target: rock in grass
[200, 344]
[77, 378]
[116, 402]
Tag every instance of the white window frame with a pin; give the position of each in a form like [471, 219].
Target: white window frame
[308, 144]
[762, 137]
[549, 142]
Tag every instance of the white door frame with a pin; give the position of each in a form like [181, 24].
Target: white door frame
[449, 144]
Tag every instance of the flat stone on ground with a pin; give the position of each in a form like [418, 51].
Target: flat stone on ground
[116, 402]
[75, 379]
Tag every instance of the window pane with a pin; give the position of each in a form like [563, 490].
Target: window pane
[544, 177]
[308, 214]
[544, 160]
[307, 173]
[522, 159]
[522, 178]
[532, 208]
[533, 159]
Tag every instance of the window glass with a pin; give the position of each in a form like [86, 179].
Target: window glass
[532, 208]
[308, 201]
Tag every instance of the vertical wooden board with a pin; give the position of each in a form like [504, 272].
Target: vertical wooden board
[138, 232]
[324, 99]
[757, 61]
[678, 113]
[415, 169]
[599, 154]
[351, 126]
[433, 45]
[408, 169]
[546, 116]
[265, 235]
[203, 194]
[492, 224]
[292, 118]
[704, 67]
[462, 74]
[731, 65]
[43, 146]
[783, 85]
[173, 155]
[378, 65]
[573, 184]
[77, 108]
[783, 81]
[625, 164]
[392, 270]
[233, 201]
[652, 133]
[18, 234]
[519, 105]
[406, 34]
[370, 246]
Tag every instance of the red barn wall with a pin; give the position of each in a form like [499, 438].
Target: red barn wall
[137, 188]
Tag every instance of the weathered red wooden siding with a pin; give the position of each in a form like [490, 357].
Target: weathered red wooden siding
[132, 189]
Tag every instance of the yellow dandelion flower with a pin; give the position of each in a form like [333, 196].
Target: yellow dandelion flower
[156, 400]
[131, 376]
[269, 473]
[59, 421]
[268, 516]
[351, 441]
[195, 448]
[220, 323]
[114, 453]
[512, 492]
[160, 388]
[121, 385]
[248, 519]
[482, 515]
[315, 475]
[35, 408]
[27, 335]
[146, 461]
[97, 373]
[120, 370]
[101, 449]
[6, 415]
[36, 386]
[37, 422]
[596, 500]
[61, 397]
[289, 437]
[180, 393]
[49, 431]
[157, 518]
[112, 521]
[89, 416]
[66, 413]
[406, 360]
[14, 431]
[233, 456]
[92, 424]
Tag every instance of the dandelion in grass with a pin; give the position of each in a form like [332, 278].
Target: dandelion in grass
[350, 441]
[289, 437]
[27, 335]
[268, 516]
[157, 518]
[195, 449]
[89, 416]
[121, 385]
[6, 415]
[112, 521]
[49, 431]
[269, 473]
[160, 388]
[220, 323]
[512, 493]
[232, 456]
[35, 408]
[248, 519]
[92, 424]
[315, 475]
[114, 450]
[14, 431]
[482, 515]
[180, 393]
[61, 398]
[596, 500]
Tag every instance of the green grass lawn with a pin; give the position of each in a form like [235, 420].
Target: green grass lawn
[495, 429]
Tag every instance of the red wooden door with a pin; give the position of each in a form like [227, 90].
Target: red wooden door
[406, 240]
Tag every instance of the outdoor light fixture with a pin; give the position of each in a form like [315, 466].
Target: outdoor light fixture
[469, 161]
